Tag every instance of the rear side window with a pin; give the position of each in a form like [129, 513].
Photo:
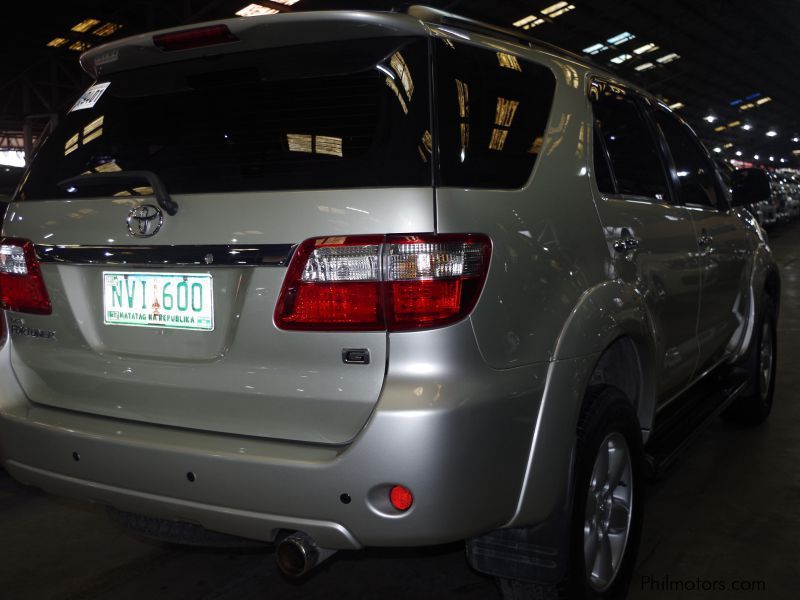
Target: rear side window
[696, 173]
[631, 148]
[327, 115]
[492, 112]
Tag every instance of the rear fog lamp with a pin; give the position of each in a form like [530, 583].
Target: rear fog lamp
[401, 497]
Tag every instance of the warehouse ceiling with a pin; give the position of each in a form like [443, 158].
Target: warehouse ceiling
[727, 66]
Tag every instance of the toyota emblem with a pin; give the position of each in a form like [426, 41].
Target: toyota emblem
[145, 220]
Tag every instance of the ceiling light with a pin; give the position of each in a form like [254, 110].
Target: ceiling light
[676, 106]
[728, 145]
[783, 160]
[734, 123]
[772, 133]
[645, 49]
[736, 102]
[738, 153]
[753, 96]
[796, 139]
[529, 22]
[710, 118]
[85, 25]
[595, 48]
[720, 128]
[256, 10]
[645, 66]
[763, 100]
[620, 38]
[747, 106]
[557, 9]
[717, 149]
[772, 159]
[668, 58]
[621, 58]
[747, 127]
[755, 156]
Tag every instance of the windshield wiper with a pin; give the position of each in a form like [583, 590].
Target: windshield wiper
[125, 177]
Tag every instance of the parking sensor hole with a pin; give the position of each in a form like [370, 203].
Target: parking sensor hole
[191, 476]
[76, 457]
[345, 498]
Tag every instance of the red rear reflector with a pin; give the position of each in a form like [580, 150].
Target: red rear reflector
[394, 283]
[401, 497]
[198, 37]
[22, 288]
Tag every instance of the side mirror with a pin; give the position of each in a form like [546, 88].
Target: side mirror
[750, 186]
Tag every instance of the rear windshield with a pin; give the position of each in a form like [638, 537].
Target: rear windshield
[329, 115]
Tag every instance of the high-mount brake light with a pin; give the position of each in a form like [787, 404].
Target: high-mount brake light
[22, 288]
[198, 37]
[377, 283]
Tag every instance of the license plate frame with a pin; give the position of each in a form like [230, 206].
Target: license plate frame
[160, 300]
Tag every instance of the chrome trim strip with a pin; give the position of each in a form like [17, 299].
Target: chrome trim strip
[226, 255]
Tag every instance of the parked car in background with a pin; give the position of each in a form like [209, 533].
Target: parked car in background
[343, 279]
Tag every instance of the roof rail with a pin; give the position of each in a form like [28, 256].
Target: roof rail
[441, 17]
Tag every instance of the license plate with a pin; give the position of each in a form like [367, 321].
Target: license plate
[165, 300]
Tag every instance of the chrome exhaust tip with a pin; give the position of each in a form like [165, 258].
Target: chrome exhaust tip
[297, 554]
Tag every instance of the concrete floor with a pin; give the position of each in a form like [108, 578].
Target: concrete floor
[726, 514]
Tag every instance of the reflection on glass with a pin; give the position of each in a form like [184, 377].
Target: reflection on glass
[71, 144]
[498, 139]
[107, 29]
[390, 82]
[255, 10]
[85, 25]
[314, 144]
[536, 147]
[427, 141]
[509, 61]
[93, 130]
[109, 167]
[462, 90]
[400, 67]
[505, 111]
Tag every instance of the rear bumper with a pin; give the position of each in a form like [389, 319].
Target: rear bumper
[454, 431]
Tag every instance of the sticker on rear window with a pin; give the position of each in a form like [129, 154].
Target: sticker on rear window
[90, 96]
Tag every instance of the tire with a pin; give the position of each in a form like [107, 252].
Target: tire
[607, 517]
[755, 403]
[178, 532]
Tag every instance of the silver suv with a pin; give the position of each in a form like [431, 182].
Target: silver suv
[345, 279]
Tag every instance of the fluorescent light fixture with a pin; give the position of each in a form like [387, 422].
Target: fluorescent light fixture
[645, 66]
[772, 133]
[85, 25]
[720, 128]
[256, 10]
[107, 29]
[596, 48]
[557, 9]
[57, 42]
[734, 123]
[529, 22]
[620, 38]
[710, 118]
[717, 149]
[645, 49]
[668, 58]
[728, 145]
[677, 105]
[747, 106]
[618, 60]
[763, 100]
[736, 102]
[753, 96]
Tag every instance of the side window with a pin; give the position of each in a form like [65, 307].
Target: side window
[492, 113]
[696, 179]
[632, 150]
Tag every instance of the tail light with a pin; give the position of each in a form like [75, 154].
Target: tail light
[376, 283]
[22, 288]
[199, 37]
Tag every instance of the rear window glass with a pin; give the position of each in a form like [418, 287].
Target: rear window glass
[492, 110]
[329, 115]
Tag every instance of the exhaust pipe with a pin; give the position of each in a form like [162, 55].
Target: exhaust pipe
[298, 553]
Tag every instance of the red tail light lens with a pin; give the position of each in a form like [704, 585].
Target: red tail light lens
[198, 37]
[394, 283]
[22, 288]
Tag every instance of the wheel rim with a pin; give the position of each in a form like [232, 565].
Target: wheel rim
[609, 504]
[765, 359]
